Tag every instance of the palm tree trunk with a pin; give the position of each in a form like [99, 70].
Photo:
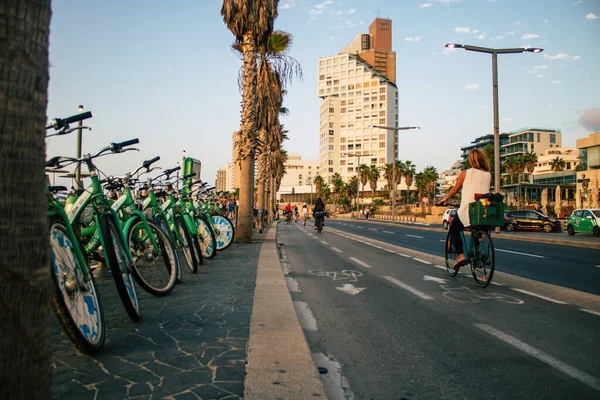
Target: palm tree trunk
[248, 136]
[25, 286]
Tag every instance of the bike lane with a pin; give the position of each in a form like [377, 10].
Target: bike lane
[569, 267]
[411, 325]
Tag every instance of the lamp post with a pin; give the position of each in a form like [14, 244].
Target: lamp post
[357, 183]
[494, 53]
[391, 128]
[78, 180]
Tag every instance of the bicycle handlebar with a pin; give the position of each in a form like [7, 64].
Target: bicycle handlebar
[146, 164]
[58, 123]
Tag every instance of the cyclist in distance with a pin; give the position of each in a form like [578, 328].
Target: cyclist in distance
[473, 181]
[319, 211]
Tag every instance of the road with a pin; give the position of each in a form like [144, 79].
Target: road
[387, 322]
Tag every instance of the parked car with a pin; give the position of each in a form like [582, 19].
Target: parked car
[446, 217]
[585, 220]
[530, 220]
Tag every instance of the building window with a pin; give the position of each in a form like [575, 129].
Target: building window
[382, 160]
[330, 169]
[342, 162]
[330, 147]
[343, 140]
[343, 103]
[382, 113]
[382, 136]
[552, 138]
[331, 109]
[331, 132]
[331, 140]
[329, 162]
[381, 90]
[350, 169]
[538, 137]
[343, 110]
[382, 97]
[343, 147]
[381, 145]
[358, 145]
[331, 124]
[382, 121]
[321, 77]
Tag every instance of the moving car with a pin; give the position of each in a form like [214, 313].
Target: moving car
[530, 220]
[585, 220]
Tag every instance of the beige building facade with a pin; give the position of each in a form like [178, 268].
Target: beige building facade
[299, 176]
[588, 178]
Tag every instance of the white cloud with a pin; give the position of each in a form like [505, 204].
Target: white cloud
[576, 57]
[549, 106]
[511, 33]
[408, 39]
[463, 29]
[540, 67]
[528, 36]
[556, 82]
[425, 5]
[448, 1]
[287, 4]
[590, 119]
[500, 37]
[559, 56]
[339, 13]
[352, 11]
[324, 4]
[546, 20]
[591, 16]
[472, 86]
[578, 2]
[481, 36]
[541, 76]
[518, 23]
[412, 39]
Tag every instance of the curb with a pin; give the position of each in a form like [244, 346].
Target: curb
[280, 365]
[498, 236]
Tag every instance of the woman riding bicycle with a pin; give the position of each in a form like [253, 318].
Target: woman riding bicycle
[319, 211]
[473, 181]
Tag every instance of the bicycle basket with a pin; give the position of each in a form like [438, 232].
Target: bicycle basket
[486, 213]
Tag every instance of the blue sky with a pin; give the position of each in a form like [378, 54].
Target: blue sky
[164, 72]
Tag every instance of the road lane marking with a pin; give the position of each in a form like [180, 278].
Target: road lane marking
[388, 232]
[597, 313]
[350, 225]
[324, 242]
[415, 236]
[404, 255]
[440, 267]
[519, 253]
[497, 284]
[372, 229]
[540, 355]
[539, 296]
[377, 247]
[361, 227]
[442, 240]
[422, 261]
[390, 251]
[359, 262]
[411, 289]
[336, 249]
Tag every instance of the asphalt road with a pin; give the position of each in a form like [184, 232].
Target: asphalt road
[390, 325]
[573, 267]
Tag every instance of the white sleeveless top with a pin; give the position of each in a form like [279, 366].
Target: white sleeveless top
[476, 182]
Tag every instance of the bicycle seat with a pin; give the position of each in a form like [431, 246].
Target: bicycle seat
[56, 189]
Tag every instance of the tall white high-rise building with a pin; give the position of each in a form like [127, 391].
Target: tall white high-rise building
[357, 97]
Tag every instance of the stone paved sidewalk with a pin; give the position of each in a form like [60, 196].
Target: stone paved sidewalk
[190, 344]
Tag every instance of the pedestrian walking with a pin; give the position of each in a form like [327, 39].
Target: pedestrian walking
[367, 214]
[305, 213]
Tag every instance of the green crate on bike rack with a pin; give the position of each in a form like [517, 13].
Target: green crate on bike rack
[492, 215]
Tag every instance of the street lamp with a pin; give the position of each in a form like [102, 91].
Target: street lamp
[358, 178]
[391, 128]
[494, 53]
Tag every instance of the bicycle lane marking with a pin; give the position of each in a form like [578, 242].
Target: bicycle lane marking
[519, 253]
[359, 262]
[409, 288]
[538, 296]
[540, 355]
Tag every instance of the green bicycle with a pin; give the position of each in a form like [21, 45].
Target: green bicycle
[76, 300]
[110, 238]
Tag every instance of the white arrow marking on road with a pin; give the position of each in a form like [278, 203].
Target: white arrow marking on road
[350, 289]
[433, 278]
[415, 236]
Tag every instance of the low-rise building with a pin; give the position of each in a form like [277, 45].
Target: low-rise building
[588, 176]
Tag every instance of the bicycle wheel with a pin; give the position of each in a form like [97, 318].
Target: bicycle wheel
[482, 259]
[206, 237]
[154, 269]
[450, 254]
[186, 244]
[76, 302]
[115, 254]
[224, 231]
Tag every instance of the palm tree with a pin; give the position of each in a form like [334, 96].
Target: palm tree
[352, 188]
[251, 22]
[530, 158]
[373, 178]
[363, 176]
[338, 187]
[408, 170]
[557, 164]
[388, 174]
[319, 182]
[26, 356]
[511, 166]
[275, 70]
[430, 177]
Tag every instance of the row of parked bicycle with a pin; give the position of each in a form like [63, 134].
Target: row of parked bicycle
[133, 226]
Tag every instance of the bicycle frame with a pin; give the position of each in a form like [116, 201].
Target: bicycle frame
[94, 195]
